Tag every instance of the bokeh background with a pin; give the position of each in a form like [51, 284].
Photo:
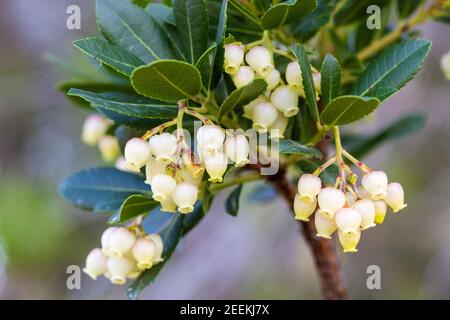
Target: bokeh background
[260, 254]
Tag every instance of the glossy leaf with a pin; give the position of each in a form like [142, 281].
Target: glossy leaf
[219, 51]
[156, 220]
[286, 12]
[348, 109]
[132, 29]
[291, 147]
[191, 18]
[204, 65]
[308, 83]
[232, 202]
[309, 25]
[132, 207]
[393, 68]
[355, 10]
[242, 96]
[330, 79]
[102, 189]
[162, 12]
[167, 80]
[406, 7]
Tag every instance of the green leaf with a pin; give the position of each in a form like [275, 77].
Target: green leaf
[286, 12]
[308, 84]
[132, 207]
[348, 109]
[102, 189]
[162, 12]
[232, 202]
[120, 60]
[242, 96]
[362, 145]
[132, 29]
[310, 24]
[204, 64]
[132, 110]
[330, 79]
[167, 80]
[355, 10]
[291, 147]
[156, 220]
[191, 17]
[219, 52]
[393, 68]
[406, 7]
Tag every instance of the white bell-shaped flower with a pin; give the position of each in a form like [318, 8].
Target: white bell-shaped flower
[380, 211]
[94, 127]
[237, 149]
[260, 59]
[248, 108]
[105, 240]
[185, 195]
[185, 175]
[445, 65]
[264, 115]
[192, 165]
[303, 209]
[119, 242]
[362, 193]
[324, 226]
[294, 77]
[278, 128]
[144, 252]
[168, 205]
[349, 241]
[159, 247]
[162, 186]
[119, 269]
[216, 165]
[348, 220]
[243, 77]
[163, 146]
[366, 209]
[122, 165]
[375, 183]
[109, 148]
[233, 58]
[273, 79]
[309, 187]
[285, 99]
[95, 263]
[210, 138]
[330, 200]
[395, 197]
[152, 168]
[137, 152]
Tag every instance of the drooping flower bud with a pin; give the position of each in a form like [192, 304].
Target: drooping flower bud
[95, 263]
[303, 209]
[362, 193]
[119, 269]
[272, 79]
[144, 252]
[243, 77]
[278, 128]
[163, 146]
[349, 241]
[123, 165]
[168, 205]
[248, 109]
[285, 99]
[445, 65]
[109, 148]
[210, 138]
[294, 77]
[348, 220]
[395, 197]
[330, 200]
[216, 165]
[159, 246]
[162, 186]
[105, 240]
[137, 152]
[366, 209]
[185, 195]
[234, 57]
[375, 183]
[260, 59]
[380, 211]
[309, 187]
[264, 115]
[152, 168]
[119, 241]
[237, 149]
[324, 226]
[94, 127]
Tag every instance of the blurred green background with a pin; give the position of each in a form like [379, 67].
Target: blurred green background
[260, 254]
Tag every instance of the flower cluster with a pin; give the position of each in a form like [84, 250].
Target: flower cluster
[94, 133]
[273, 109]
[123, 255]
[351, 212]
